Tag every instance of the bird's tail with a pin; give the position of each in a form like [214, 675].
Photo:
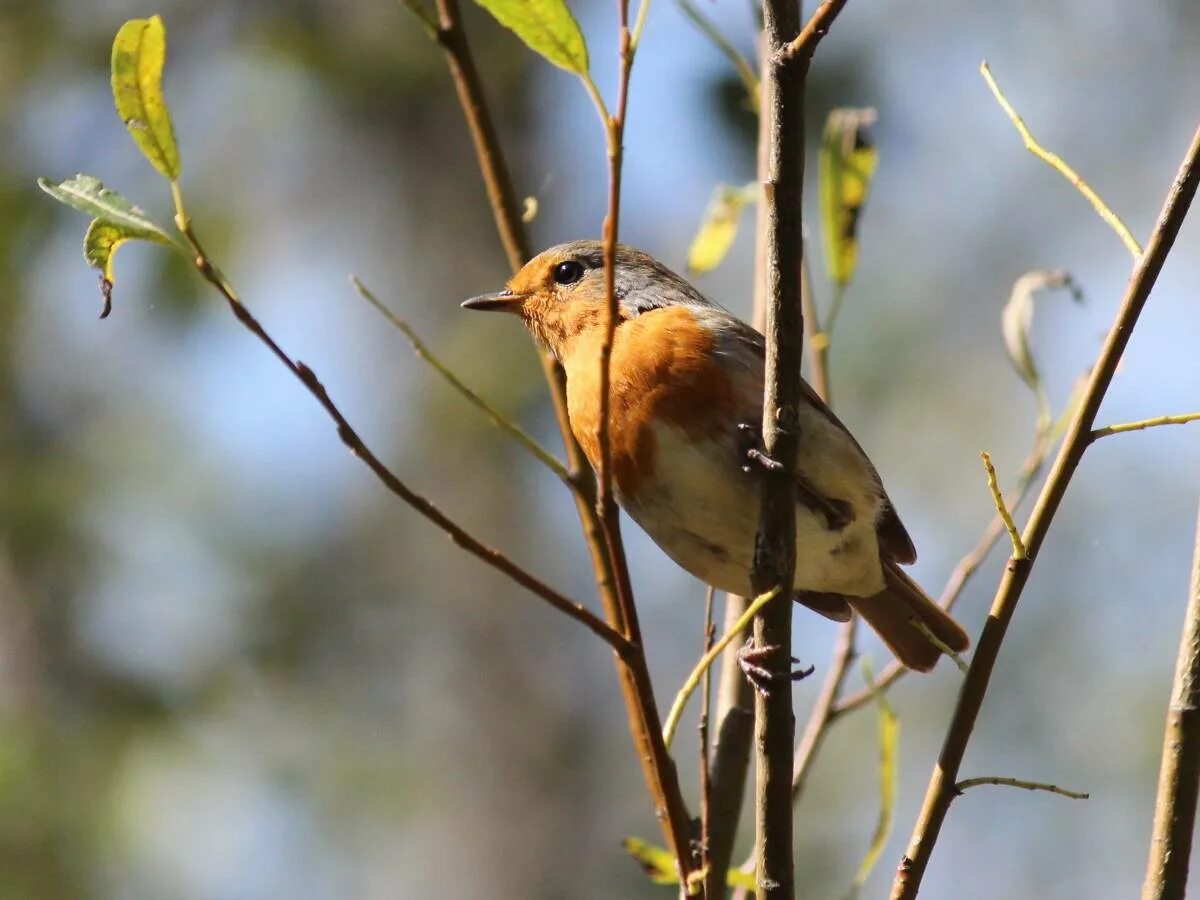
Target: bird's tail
[894, 612]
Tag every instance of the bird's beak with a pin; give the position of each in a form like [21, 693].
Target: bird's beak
[502, 301]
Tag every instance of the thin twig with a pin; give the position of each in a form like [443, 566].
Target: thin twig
[1019, 783]
[1179, 774]
[1144, 424]
[350, 438]
[1018, 548]
[940, 792]
[710, 30]
[1058, 164]
[802, 48]
[710, 633]
[701, 668]
[424, 16]
[522, 437]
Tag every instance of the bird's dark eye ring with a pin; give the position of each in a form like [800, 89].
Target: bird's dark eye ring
[568, 272]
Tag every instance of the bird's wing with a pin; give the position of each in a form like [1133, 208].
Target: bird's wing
[894, 540]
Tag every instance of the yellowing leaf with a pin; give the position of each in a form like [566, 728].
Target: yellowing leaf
[656, 862]
[547, 27]
[719, 227]
[846, 163]
[115, 221]
[1017, 319]
[889, 738]
[138, 53]
[659, 865]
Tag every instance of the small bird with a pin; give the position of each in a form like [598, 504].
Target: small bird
[686, 391]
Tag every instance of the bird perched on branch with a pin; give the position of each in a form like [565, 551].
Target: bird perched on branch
[686, 395]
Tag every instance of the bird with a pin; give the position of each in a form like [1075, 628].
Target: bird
[685, 413]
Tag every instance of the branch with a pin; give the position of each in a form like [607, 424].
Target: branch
[802, 48]
[513, 430]
[497, 560]
[1018, 548]
[1019, 783]
[1179, 775]
[775, 544]
[1058, 164]
[940, 792]
[710, 631]
[1144, 424]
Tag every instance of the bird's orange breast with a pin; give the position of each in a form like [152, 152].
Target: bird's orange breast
[664, 371]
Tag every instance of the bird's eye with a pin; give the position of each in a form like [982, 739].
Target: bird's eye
[568, 272]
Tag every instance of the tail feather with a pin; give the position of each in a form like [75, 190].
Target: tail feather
[891, 613]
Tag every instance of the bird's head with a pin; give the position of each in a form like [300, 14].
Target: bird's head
[561, 293]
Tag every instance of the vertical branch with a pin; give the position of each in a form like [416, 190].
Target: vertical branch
[775, 544]
[600, 531]
[1179, 776]
[735, 696]
[941, 791]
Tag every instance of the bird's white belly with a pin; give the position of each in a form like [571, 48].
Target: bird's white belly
[703, 511]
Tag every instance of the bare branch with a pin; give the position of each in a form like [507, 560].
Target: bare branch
[802, 48]
[940, 792]
[1019, 783]
[1179, 775]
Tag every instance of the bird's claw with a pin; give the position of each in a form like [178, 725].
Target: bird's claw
[752, 451]
[751, 659]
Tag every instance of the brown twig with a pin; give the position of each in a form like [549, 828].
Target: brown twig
[940, 792]
[1002, 781]
[802, 48]
[601, 533]
[1179, 775]
[710, 633]
[497, 560]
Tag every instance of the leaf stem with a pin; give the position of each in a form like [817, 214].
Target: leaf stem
[1144, 424]
[1059, 164]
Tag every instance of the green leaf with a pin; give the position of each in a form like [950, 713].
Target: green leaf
[845, 166]
[104, 237]
[719, 227]
[1016, 321]
[889, 738]
[138, 53]
[547, 27]
[88, 195]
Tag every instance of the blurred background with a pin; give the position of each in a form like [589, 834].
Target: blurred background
[232, 666]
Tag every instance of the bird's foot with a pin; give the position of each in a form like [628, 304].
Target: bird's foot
[751, 659]
[752, 450]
